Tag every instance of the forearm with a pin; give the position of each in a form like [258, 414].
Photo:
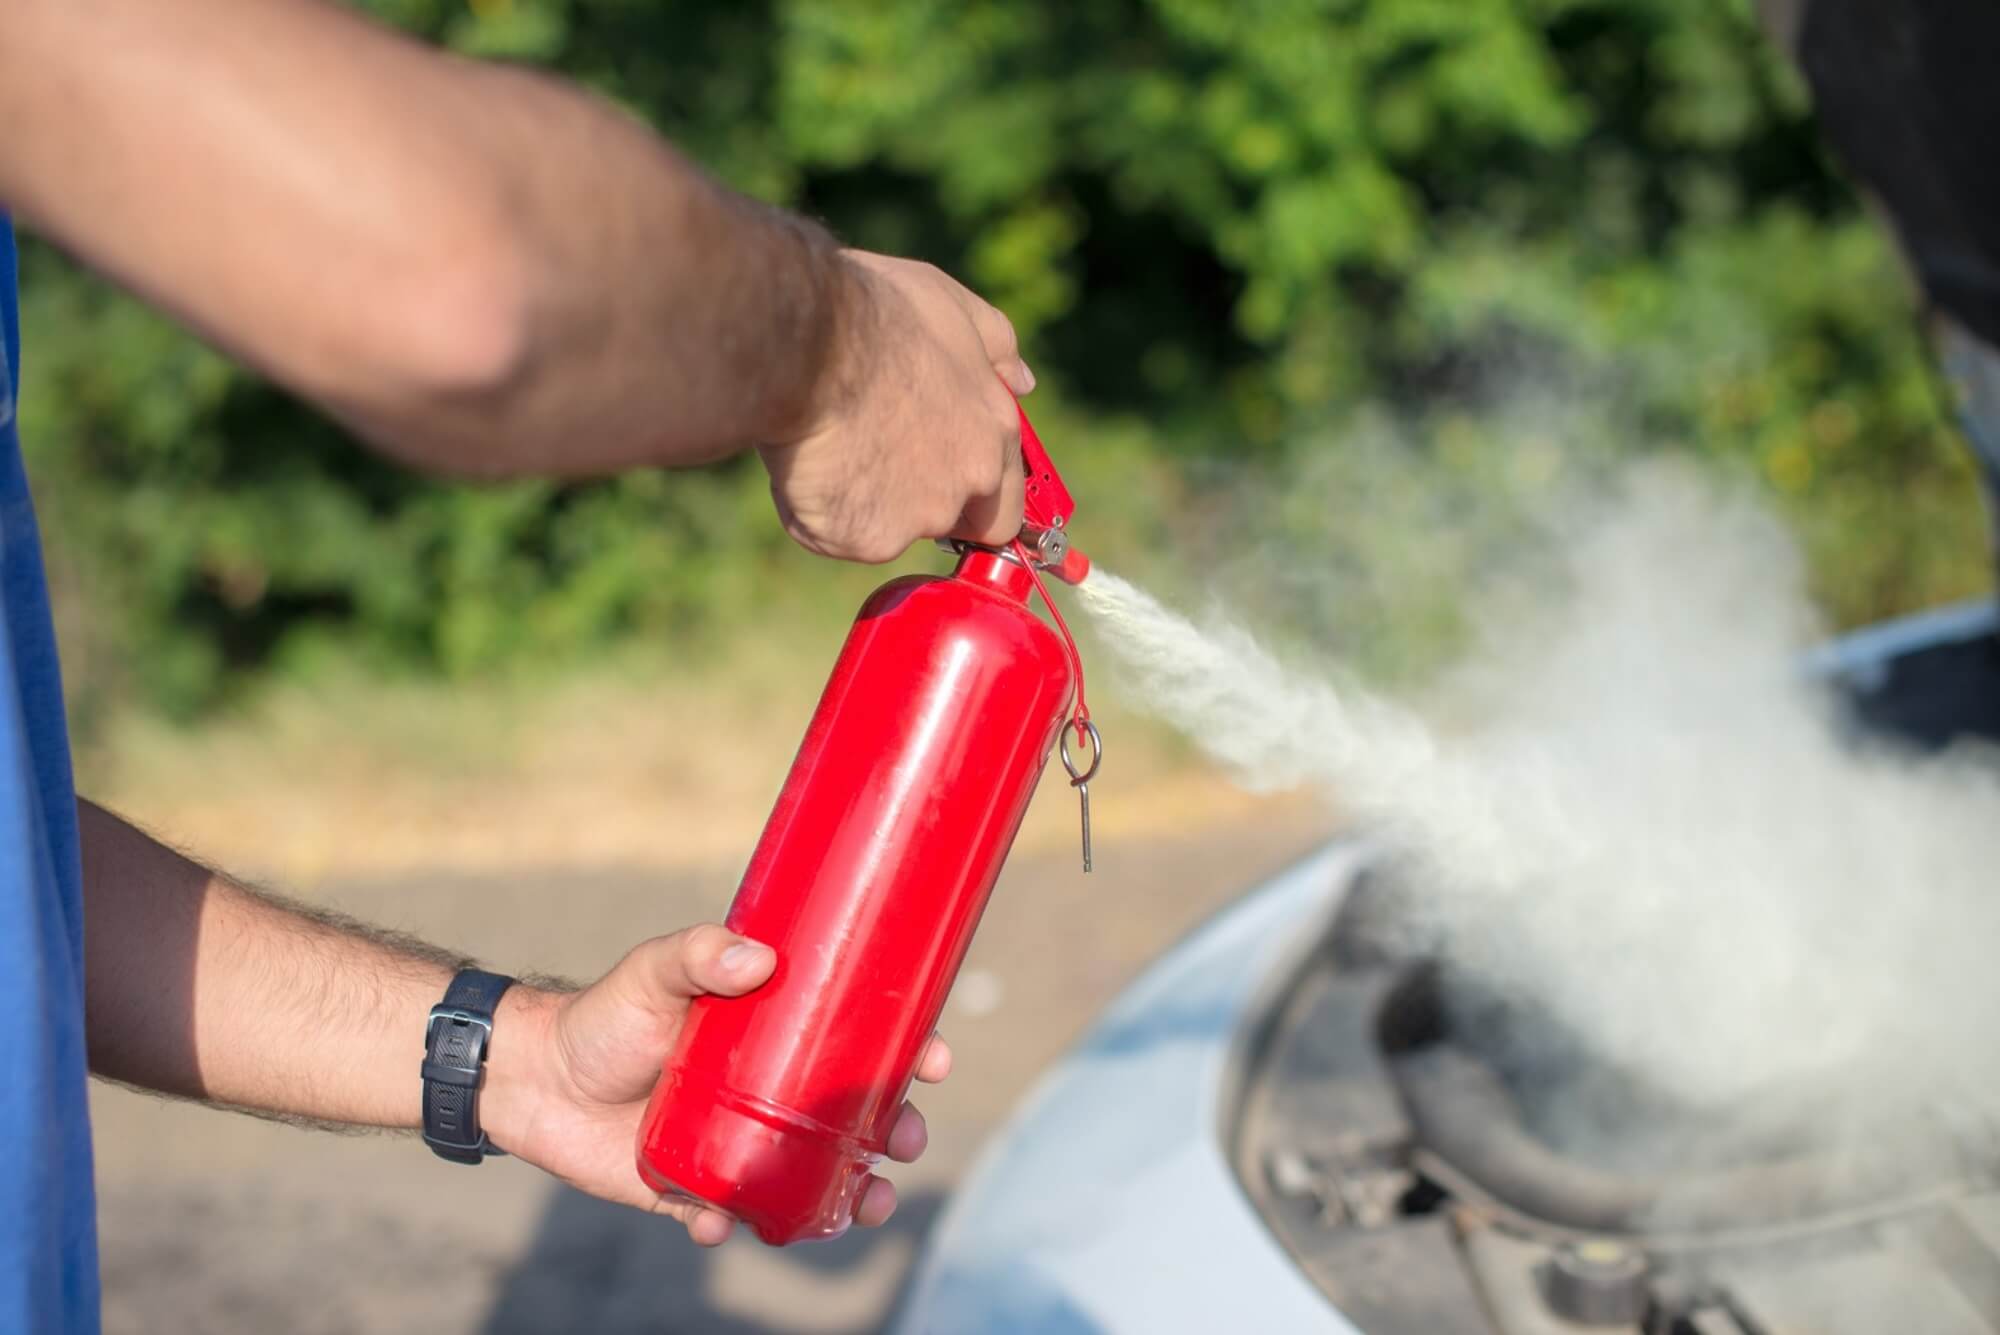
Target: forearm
[200, 988]
[481, 269]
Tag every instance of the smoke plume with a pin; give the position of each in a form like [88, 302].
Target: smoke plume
[1645, 819]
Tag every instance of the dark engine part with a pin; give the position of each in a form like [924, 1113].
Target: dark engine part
[1937, 695]
[1475, 1138]
[1397, 1150]
[1596, 1283]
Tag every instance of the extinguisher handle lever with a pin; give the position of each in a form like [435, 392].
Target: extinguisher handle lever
[1047, 502]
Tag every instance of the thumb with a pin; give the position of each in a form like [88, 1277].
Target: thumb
[668, 971]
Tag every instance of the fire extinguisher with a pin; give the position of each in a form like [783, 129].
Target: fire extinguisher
[870, 878]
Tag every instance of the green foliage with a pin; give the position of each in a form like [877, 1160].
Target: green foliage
[1231, 235]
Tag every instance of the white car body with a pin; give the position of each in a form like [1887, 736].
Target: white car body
[1108, 1204]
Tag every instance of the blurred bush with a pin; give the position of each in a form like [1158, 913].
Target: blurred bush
[1231, 234]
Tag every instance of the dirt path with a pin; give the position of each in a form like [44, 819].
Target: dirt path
[214, 1223]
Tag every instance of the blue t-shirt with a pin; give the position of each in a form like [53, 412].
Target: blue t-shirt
[48, 1219]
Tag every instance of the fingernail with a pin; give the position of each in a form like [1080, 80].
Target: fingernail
[743, 956]
[1028, 375]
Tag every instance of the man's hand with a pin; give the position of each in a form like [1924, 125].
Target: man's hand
[289, 157]
[569, 1075]
[911, 432]
[485, 271]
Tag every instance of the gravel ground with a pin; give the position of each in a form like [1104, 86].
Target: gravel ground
[215, 1223]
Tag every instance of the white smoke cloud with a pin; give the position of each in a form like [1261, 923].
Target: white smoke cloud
[1648, 822]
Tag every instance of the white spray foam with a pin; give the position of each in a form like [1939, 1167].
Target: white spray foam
[1657, 830]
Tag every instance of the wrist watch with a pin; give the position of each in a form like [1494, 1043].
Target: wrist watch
[455, 1044]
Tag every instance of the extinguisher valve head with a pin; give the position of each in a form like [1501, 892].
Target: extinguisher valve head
[1049, 545]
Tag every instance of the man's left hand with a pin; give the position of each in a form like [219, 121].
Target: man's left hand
[569, 1098]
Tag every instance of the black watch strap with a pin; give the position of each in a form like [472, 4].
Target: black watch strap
[455, 1044]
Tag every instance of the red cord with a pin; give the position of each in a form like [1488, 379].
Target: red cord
[1082, 714]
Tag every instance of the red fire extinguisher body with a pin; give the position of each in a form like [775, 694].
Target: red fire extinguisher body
[868, 882]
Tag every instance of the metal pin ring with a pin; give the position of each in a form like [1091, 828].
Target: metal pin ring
[1096, 752]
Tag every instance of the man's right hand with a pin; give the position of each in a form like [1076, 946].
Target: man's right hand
[911, 432]
[441, 290]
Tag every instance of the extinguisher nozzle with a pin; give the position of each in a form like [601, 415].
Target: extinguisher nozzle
[1074, 568]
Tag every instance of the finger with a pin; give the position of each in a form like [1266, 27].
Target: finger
[910, 1136]
[994, 520]
[993, 515]
[1003, 347]
[707, 959]
[935, 1063]
[1017, 376]
[878, 1202]
[708, 1228]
